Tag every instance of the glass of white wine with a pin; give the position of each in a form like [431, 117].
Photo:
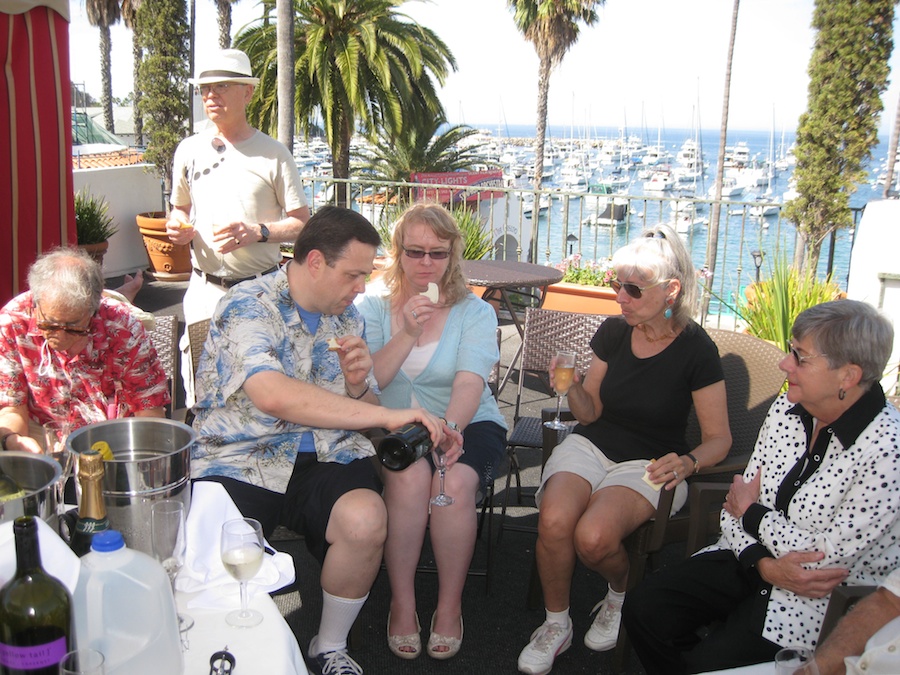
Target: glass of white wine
[563, 374]
[169, 542]
[242, 554]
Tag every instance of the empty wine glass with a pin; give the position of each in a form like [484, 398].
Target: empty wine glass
[442, 498]
[83, 662]
[169, 543]
[242, 555]
[56, 433]
[563, 374]
[796, 661]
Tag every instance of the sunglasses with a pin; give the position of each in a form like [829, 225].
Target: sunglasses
[634, 290]
[51, 327]
[798, 359]
[417, 254]
[218, 88]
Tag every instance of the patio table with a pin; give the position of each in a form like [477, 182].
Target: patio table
[501, 276]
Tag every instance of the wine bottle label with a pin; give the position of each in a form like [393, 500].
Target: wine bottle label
[91, 525]
[33, 657]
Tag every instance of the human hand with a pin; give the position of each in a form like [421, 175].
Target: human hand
[355, 360]
[230, 237]
[178, 229]
[416, 312]
[789, 572]
[668, 469]
[742, 494]
[23, 444]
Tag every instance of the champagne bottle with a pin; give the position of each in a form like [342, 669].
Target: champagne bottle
[92, 511]
[9, 489]
[35, 611]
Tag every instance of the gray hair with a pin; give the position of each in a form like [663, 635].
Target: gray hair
[657, 254]
[68, 276]
[849, 331]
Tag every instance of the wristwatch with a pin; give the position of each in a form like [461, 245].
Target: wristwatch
[264, 233]
[450, 425]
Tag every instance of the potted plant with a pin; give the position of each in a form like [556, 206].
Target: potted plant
[584, 287]
[93, 224]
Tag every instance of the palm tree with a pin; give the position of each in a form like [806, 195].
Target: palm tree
[223, 12]
[103, 14]
[552, 27]
[712, 243]
[129, 16]
[359, 65]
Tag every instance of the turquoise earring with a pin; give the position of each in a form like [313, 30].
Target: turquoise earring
[668, 313]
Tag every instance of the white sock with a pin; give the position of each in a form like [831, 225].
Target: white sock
[562, 618]
[338, 615]
[616, 597]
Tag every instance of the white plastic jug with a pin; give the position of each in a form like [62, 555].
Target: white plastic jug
[125, 609]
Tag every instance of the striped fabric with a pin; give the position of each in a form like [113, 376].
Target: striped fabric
[36, 203]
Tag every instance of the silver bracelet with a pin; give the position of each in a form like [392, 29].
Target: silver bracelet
[364, 391]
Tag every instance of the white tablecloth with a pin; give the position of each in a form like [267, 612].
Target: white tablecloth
[269, 648]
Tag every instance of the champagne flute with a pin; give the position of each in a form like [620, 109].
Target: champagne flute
[563, 374]
[169, 543]
[242, 555]
[442, 498]
[796, 661]
[56, 435]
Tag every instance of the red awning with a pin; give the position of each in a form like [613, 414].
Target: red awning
[36, 203]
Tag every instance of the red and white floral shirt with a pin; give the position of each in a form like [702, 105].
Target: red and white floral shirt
[116, 374]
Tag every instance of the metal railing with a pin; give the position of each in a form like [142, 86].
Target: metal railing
[546, 226]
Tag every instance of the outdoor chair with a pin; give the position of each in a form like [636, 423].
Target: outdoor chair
[546, 332]
[164, 338]
[752, 382]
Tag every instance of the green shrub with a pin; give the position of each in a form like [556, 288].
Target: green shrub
[93, 223]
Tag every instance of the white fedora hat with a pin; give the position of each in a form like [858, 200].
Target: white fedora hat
[225, 65]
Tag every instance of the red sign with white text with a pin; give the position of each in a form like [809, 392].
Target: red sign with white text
[461, 185]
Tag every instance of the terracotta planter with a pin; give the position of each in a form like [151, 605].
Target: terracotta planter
[568, 297]
[96, 251]
[168, 261]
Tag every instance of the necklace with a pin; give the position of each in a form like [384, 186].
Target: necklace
[668, 336]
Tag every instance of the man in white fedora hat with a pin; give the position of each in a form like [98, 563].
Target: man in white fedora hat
[236, 194]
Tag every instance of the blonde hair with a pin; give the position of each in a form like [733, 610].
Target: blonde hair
[443, 225]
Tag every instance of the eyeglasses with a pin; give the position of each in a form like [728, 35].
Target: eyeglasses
[418, 254]
[218, 88]
[51, 327]
[655, 234]
[798, 359]
[634, 290]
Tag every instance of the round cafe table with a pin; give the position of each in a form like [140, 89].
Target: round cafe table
[499, 276]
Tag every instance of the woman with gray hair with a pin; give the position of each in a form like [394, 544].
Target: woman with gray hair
[68, 354]
[603, 481]
[817, 506]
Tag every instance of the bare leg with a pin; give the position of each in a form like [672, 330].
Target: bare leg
[453, 530]
[613, 514]
[565, 498]
[131, 285]
[406, 495]
[356, 531]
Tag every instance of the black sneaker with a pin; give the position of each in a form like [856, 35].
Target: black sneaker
[337, 662]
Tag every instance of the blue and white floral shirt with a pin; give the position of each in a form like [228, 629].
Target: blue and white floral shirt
[256, 327]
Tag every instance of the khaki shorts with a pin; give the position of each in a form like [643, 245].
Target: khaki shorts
[576, 454]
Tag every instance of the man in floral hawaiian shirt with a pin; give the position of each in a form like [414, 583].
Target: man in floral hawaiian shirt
[69, 354]
[283, 392]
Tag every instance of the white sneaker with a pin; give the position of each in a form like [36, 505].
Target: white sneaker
[547, 642]
[604, 631]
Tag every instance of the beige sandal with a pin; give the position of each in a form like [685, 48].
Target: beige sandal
[405, 646]
[451, 643]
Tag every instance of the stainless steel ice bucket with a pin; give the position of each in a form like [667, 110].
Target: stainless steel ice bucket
[38, 475]
[151, 461]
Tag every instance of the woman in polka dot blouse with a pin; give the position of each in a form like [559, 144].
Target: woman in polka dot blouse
[818, 506]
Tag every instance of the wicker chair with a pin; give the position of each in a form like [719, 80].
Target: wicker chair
[546, 332]
[164, 338]
[752, 381]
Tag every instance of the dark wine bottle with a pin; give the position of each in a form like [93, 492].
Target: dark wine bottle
[92, 510]
[35, 611]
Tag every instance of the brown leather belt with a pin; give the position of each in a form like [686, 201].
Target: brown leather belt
[226, 282]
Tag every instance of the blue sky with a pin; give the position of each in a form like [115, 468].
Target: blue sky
[645, 62]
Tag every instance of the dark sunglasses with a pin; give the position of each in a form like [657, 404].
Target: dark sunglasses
[634, 290]
[417, 254]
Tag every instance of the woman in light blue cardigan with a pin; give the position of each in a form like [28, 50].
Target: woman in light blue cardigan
[435, 352]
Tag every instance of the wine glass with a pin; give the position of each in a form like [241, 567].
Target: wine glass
[442, 498]
[796, 661]
[563, 374]
[169, 544]
[56, 433]
[83, 662]
[242, 555]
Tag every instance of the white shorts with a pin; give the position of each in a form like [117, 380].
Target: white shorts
[576, 454]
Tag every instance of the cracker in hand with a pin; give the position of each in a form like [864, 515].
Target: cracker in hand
[646, 479]
[333, 345]
[433, 294]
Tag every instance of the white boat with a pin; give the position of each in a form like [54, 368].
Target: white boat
[659, 181]
[730, 189]
[764, 207]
